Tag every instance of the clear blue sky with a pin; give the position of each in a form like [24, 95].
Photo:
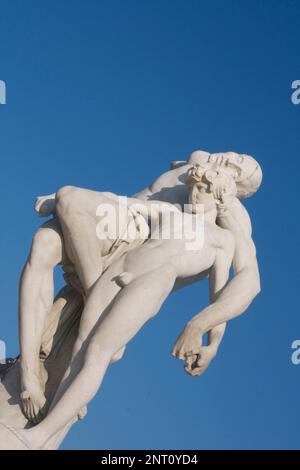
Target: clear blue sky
[103, 95]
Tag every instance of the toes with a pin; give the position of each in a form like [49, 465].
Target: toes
[36, 411]
[37, 418]
[24, 408]
[31, 407]
[43, 402]
[31, 410]
[28, 409]
[24, 403]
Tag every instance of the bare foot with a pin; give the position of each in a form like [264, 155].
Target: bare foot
[32, 396]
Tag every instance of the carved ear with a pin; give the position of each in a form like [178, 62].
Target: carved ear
[177, 164]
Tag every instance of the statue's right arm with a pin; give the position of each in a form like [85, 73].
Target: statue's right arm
[171, 179]
[46, 205]
[235, 298]
[245, 285]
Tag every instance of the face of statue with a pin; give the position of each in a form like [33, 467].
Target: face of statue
[220, 159]
[223, 158]
[208, 184]
[243, 168]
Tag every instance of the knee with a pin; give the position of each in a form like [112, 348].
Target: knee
[46, 248]
[66, 200]
[96, 357]
[64, 192]
[169, 272]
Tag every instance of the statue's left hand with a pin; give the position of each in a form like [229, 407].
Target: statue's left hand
[196, 365]
[188, 345]
[188, 348]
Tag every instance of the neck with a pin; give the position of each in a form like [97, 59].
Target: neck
[211, 214]
[207, 203]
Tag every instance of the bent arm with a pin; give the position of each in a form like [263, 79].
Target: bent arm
[235, 299]
[188, 346]
[245, 285]
[218, 280]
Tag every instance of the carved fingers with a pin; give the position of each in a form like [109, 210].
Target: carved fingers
[188, 348]
[199, 363]
[188, 343]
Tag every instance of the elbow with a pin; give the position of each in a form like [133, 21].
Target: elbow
[257, 285]
[256, 290]
[253, 290]
[254, 281]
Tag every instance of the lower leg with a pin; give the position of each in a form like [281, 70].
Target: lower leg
[36, 299]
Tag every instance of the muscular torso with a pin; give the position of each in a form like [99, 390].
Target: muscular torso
[171, 188]
[189, 256]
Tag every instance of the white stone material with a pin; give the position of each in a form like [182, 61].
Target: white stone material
[116, 282]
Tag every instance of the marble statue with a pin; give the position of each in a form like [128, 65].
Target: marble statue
[187, 226]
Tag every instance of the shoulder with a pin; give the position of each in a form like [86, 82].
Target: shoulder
[171, 178]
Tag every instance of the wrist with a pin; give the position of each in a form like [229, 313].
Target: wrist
[212, 350]
[197, 324]
[207, 319]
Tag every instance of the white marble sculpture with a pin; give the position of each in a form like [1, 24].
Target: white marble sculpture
[187, 226]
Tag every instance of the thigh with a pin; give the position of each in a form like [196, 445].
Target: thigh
[82, 200]
[131, 309]
[100, 299]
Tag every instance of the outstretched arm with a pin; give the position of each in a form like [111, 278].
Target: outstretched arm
[239, 292]
[189, 347]
[245, 285]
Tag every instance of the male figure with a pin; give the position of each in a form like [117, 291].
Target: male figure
[152, 270]
[72, 240]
